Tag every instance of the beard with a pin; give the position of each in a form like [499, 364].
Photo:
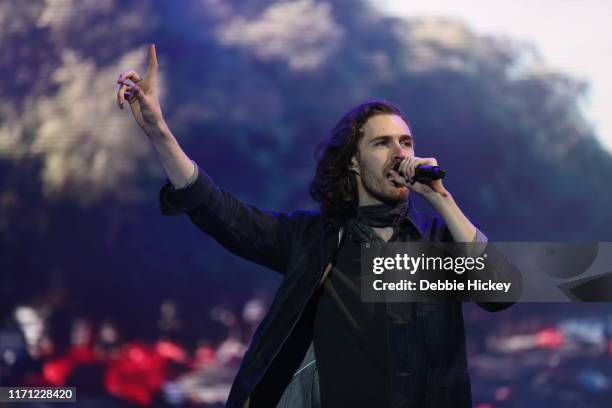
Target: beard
[382, 188]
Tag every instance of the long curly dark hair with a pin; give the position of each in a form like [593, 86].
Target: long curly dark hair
[334, 185]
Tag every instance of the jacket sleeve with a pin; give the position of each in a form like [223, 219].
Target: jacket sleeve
[260, 236]
[499, 268]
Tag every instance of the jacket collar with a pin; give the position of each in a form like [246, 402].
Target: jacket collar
[413, 216]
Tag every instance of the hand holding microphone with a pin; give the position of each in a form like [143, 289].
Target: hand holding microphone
[422, 175]
[425, 173]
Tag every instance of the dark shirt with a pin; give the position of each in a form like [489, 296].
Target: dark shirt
[350, 336]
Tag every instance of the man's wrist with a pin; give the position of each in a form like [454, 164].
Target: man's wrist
[190, 181]
[159, 130]
[438, 201]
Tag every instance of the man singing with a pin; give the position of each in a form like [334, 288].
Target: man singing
[319, 345]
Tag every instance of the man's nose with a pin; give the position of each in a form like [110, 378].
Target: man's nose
[398, 152]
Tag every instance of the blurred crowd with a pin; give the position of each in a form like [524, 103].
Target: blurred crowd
[515, 360]
[109, 370]
[543, 360]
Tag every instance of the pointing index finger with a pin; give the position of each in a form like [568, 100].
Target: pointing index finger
[152, 61]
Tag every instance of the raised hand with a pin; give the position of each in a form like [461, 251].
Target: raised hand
[141, 94]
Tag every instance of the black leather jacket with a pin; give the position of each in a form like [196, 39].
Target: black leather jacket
[429, 355]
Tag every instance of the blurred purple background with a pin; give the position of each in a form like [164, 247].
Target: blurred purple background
[100, 291]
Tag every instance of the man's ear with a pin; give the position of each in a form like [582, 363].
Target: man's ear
[354, 166]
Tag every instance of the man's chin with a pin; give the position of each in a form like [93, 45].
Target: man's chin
[395, 196]
[388, 192]
[400, 197]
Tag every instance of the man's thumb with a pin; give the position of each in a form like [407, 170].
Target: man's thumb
[138, 93]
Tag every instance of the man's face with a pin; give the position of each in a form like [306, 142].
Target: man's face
[386, 141]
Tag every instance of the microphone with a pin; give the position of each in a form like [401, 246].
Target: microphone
[425, 173]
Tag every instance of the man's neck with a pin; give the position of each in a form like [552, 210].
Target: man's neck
[384, 233]
[381, 217]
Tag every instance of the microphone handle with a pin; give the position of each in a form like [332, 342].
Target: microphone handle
[426, 173]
